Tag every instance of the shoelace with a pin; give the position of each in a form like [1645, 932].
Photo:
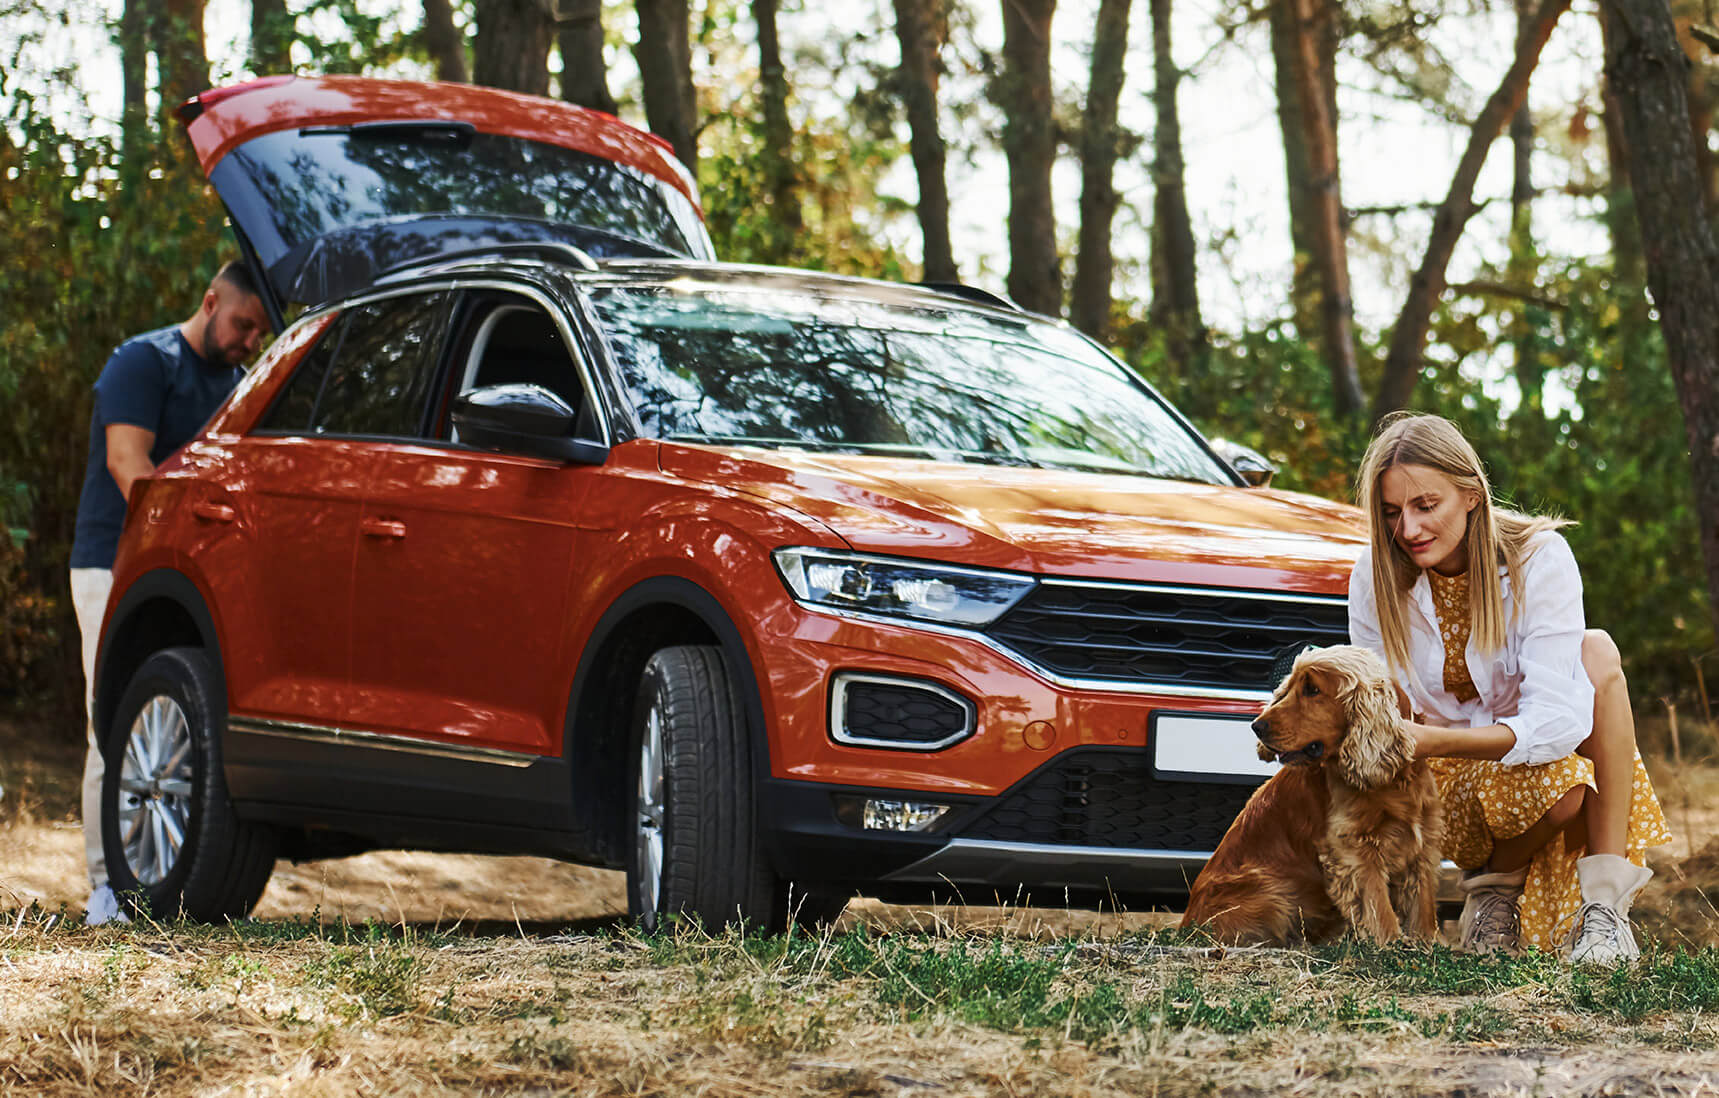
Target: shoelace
[1496, 919]
[1600, 925]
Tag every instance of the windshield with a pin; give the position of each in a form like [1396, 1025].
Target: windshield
[294, 186]
[774, 367]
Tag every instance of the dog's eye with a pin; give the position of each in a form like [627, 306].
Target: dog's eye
[1309, 688]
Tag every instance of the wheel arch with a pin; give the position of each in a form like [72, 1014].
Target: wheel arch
[656, 613]
[160, 609]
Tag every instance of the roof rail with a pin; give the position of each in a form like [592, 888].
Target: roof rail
[548, 249]
[973, 293]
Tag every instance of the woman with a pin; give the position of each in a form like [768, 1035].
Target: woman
[1524, 711]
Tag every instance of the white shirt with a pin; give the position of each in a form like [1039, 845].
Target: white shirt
[1535, 684]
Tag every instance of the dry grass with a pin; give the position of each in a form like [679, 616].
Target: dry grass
[514, 976]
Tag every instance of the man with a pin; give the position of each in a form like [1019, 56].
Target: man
[156, 392]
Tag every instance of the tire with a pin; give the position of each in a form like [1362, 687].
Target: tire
[694, 849]
[173, 845]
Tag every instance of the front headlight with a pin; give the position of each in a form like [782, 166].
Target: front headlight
[900, 588]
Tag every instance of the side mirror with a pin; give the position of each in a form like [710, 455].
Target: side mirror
[523, 419]
[1249, 464]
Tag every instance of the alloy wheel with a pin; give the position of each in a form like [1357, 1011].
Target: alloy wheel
[649, 822]
[155, 785]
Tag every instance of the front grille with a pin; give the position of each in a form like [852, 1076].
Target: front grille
[1181, 636]
[1108, 797]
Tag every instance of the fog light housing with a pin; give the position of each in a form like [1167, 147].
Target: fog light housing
[920, 816]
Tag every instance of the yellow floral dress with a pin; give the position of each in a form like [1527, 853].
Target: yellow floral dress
[1484, 800]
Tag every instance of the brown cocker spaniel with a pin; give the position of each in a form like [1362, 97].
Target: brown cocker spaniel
[1345, 837]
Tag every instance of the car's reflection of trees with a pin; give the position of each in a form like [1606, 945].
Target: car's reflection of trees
[845, 385]
[333, 180]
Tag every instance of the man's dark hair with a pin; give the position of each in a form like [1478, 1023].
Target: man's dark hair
[237, 274]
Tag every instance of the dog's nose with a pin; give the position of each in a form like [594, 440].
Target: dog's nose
[1261, 727]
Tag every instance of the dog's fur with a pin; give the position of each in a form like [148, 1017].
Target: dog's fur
[1346, 836]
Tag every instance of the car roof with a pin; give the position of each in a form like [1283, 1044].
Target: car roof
[221, 119]
[645, 272]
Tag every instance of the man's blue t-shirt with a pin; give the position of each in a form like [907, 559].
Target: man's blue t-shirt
[158, 382]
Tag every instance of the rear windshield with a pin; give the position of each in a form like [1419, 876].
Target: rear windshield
[792, 369]
[304, 184]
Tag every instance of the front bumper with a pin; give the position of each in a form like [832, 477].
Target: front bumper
[1088, 825]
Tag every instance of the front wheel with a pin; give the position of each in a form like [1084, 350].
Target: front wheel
[172, 842]
[695, 848]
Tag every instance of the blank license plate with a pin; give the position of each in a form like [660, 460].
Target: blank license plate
[1207, 749]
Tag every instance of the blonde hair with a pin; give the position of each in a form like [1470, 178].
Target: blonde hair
[1496, 536]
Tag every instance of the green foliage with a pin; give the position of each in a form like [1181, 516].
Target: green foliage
[837, 158]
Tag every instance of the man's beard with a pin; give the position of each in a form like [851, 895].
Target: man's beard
[213, 353]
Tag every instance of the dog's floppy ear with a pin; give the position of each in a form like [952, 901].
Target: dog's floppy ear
[1377, 747]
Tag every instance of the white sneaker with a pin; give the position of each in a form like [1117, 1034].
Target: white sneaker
[104, 908]
[1601, 934]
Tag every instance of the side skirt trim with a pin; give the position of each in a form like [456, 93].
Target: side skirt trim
[381, 741]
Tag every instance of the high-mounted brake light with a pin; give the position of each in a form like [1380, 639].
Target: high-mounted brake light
[197, 104]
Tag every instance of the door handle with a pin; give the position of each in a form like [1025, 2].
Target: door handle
[213, 512]
[382, 528]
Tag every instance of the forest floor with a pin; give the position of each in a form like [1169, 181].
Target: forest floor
[405, 973]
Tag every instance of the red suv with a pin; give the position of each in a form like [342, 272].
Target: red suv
[768, 587]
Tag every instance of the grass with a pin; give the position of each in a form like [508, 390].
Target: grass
[314, 1008]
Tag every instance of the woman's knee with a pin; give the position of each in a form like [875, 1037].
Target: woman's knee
[1569, 807]
[1602, 661]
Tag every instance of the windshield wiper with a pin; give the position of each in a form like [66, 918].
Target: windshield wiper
[415, 129]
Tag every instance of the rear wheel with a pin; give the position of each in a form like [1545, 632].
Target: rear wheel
[172, 842]
[695, 848]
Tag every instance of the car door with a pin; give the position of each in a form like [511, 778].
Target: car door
[464, 556]
[278, 518]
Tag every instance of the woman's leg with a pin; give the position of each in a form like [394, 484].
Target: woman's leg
[1611, 746]
[1509, 855]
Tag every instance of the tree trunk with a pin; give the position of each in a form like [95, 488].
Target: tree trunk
[584, 74]
[180, 49]
[1701, 108]
[920, 29]
[134, 39]
[1648, 73]
[1029, 143]
[1328, 233]
[1408, 338]
[1524, 263]
[446, 46]
[778, 132]
[1304, 292]
[664, 54]
[1629, 264]
[1175, 306]
[271, 37]
[513, 39]
[1100, 145]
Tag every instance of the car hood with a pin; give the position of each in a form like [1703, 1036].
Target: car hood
[371, 173]
[1050, 521]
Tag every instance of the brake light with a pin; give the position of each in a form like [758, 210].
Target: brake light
[197, 104]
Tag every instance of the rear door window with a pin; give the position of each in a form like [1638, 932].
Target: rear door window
[371, 375]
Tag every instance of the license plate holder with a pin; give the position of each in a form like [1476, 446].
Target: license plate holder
[1206, 747]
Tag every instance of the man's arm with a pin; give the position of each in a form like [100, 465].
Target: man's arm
[128, 455]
